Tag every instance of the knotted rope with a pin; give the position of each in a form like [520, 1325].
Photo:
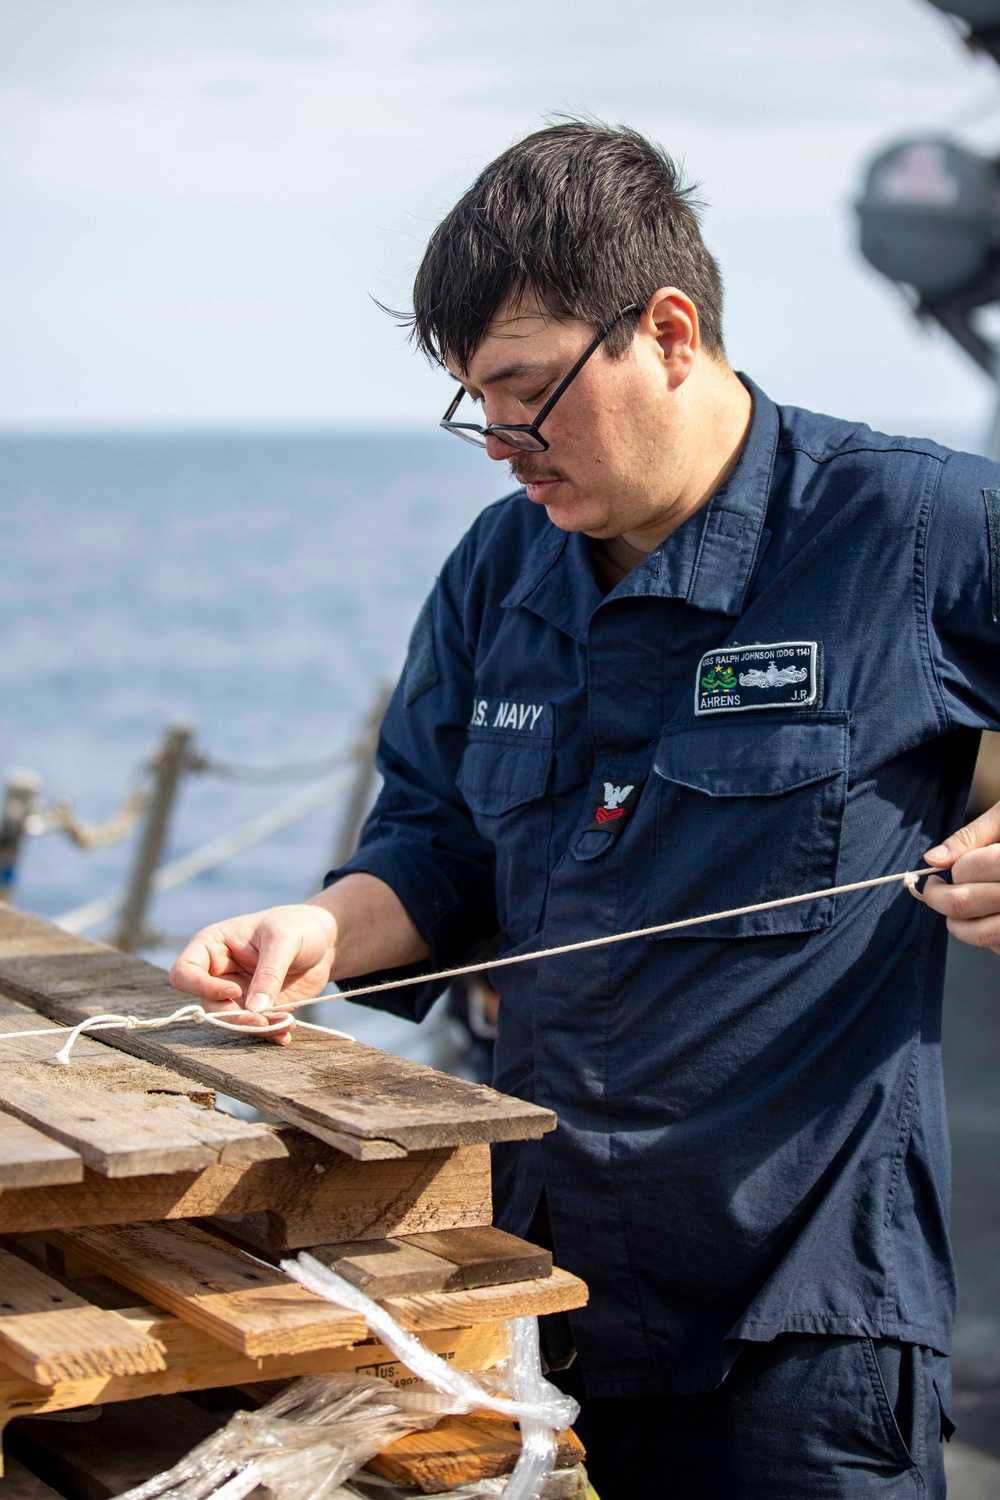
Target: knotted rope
[196, 1014]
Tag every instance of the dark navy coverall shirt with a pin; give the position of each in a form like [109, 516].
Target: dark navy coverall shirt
[784, 696]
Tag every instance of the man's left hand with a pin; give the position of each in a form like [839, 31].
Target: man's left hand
[971, 902]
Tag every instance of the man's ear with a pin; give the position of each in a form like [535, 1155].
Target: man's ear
[671, 320]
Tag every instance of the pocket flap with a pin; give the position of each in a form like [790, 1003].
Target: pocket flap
[754, 759]
[495, 778]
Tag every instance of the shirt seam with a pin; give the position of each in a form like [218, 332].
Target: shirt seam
[921, 602]
[791, 445]
[904, 1134]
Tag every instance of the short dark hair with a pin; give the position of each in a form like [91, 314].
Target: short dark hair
[589, 216]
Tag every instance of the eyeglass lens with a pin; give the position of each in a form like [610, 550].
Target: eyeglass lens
[467, 434]
[526, 441]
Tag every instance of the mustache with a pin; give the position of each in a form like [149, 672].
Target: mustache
[525, 472]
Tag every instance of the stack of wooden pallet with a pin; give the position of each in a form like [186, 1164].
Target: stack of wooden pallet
[141, 1227]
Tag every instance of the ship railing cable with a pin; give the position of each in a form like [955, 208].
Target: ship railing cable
[349, 773]
[60, 816]
[309, 770]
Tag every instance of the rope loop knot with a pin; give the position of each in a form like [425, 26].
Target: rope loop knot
[279, 1021]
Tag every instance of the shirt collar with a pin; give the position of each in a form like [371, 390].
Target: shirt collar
[708, 561]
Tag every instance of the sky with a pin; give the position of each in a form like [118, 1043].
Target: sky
[202, 199]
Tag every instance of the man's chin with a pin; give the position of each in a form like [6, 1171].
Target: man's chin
[575, 514]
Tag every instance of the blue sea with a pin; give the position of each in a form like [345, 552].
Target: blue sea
[259, 588]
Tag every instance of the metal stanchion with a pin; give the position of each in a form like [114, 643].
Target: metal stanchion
[19, 803]
[359, 798]
[167, 770]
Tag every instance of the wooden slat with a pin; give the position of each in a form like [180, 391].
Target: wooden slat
[125, 1117]
[484, 1256]
[196, 1361]
[386, 1268]
[445, 1261]
[30, 1159]
[313, 1193]
[49, 1334]
[325, 1085]
[216, 1287]
[560, 1292]
[462, 1450]
[260, 1311]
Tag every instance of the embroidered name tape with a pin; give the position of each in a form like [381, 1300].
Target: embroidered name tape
[509, 713]
[619, 802]
[738, 678]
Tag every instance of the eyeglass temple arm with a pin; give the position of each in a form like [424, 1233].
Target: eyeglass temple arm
[550, 403]
[454, 404]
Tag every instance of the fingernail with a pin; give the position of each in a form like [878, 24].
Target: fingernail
[936, 854]
[258, 1002]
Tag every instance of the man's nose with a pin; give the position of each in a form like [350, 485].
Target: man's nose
[498, 449]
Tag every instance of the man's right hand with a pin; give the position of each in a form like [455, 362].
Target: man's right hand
[271, 960]
[267, 961]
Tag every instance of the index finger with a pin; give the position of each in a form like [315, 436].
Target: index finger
[975, 835]
[191, 973]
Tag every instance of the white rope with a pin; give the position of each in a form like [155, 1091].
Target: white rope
[909, 878]
[194, 1014]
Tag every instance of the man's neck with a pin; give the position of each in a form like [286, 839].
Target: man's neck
[614, 558]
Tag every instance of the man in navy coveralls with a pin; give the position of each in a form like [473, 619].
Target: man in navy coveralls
[712, 652]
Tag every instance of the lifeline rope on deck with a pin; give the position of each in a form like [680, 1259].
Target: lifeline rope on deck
[197, 1015]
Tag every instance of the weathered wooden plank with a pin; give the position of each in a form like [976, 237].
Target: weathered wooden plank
[484, 1256]
[463, 1450]
[314, 1194]
[216, 1287]
[49, 1334]
[560, 1292]
[387, 1268]
[196, 1361]
[30, 1159]
[320, 1083]
[125, 1117]
[446, 1261]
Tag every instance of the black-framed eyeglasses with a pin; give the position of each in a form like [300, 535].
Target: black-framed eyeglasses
[525, 435]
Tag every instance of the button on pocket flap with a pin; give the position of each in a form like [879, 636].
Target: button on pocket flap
[496, 778]
[754, 759]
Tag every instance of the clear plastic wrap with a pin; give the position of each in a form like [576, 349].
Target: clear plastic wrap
[537, 1405]
[302, 1444]
[318, 1432]
[535, 1398]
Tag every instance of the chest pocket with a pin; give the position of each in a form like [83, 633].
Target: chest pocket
[748, 813]
[505, 784]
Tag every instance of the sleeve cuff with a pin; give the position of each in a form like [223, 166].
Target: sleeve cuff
[450, 921]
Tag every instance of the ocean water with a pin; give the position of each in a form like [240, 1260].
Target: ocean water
[260, 588]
